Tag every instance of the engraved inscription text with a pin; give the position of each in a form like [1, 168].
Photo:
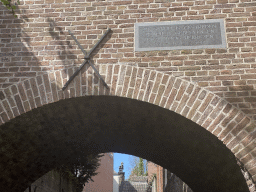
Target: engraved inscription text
[195, 35]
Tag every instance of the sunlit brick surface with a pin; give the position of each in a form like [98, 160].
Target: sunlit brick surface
[103, 181]
[38, 41]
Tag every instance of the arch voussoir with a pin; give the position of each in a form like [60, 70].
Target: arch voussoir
[132, 83]
[126, 80]
[7, 109]
[161, 89]
[120, 81]
[138, 83]
[149, 86]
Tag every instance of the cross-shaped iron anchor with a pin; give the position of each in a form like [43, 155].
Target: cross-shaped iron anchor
[86, 59]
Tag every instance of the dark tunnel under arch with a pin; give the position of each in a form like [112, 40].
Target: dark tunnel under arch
[35, 142]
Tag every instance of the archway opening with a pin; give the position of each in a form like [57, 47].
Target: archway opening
[35, 142]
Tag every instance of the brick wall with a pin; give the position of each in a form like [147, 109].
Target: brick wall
[38, 41]
[174, 183]
[103, 181]
[160, 178]
[152, 169]
[158, 171]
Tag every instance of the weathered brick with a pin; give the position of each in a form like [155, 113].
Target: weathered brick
[181, 90]
[228, 77]
[216, 122]
[157, 82]
[230, 116]
[22, 92]
[7, 109]
[178, 8]
[171, 98]
[148, 90]
[193, 109]
[169, 86]
[240, 126]
[19, 104]
[159, 94]
[206, 102]
[217, 109]
[177, 83]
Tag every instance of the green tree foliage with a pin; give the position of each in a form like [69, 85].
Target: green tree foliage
[81, 171]
[139, 167]
[9, 5]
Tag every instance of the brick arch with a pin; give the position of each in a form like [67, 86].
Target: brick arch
[204, 108]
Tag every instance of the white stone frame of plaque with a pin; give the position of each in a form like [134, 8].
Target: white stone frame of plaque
[220, 21]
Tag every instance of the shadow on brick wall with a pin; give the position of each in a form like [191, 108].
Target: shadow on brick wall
[17, 60]
[33, 45]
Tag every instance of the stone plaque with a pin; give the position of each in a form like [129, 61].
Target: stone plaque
[197, 34]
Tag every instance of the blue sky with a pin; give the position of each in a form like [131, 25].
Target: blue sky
[120, 157]
[129, 162]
